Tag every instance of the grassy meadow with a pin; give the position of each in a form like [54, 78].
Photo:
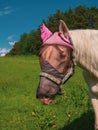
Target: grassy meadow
[20, 110]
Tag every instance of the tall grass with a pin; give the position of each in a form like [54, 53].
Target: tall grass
[20, 110]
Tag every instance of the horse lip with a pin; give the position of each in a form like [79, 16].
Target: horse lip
[46, 101]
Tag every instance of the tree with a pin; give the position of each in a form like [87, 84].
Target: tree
[80, 17]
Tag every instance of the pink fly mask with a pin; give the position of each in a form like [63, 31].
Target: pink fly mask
[54, 38]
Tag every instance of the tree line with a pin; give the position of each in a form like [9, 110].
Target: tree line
[81, 17]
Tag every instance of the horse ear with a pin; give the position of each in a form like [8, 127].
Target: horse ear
[45, 32]
[63, 28]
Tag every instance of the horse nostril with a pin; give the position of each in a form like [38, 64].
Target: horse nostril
[46, 101]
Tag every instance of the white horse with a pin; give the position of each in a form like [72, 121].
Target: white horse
[85, 44]
[56, 59]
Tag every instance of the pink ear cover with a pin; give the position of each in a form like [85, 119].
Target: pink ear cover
[58, 38]
[45, 32]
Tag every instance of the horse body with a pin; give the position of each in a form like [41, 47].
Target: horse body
[56, 60]
[86, 55]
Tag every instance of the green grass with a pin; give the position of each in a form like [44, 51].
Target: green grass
[20, 110]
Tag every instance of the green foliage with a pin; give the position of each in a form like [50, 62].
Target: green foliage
[20, 110]
[80, 17]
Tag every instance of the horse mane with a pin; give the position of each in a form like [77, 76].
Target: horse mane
[86, 49]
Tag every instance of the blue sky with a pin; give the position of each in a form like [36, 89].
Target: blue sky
[20, 16]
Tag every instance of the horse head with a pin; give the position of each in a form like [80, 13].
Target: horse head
[55, 61]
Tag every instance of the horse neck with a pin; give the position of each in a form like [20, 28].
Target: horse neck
[86, 49]
[79, 43]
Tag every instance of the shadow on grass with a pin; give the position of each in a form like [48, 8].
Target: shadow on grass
[85, 122]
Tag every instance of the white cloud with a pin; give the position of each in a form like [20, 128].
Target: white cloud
[12, 43]
[4, 51]
[11, 37]
[7, 7]
[11, 40]
[3, 54]
[6, 10]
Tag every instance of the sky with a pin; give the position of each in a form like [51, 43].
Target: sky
[22, 16]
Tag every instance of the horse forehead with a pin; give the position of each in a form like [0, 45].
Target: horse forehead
[54, 50]
[47, 52]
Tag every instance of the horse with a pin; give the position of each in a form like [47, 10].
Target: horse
[60, 52]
